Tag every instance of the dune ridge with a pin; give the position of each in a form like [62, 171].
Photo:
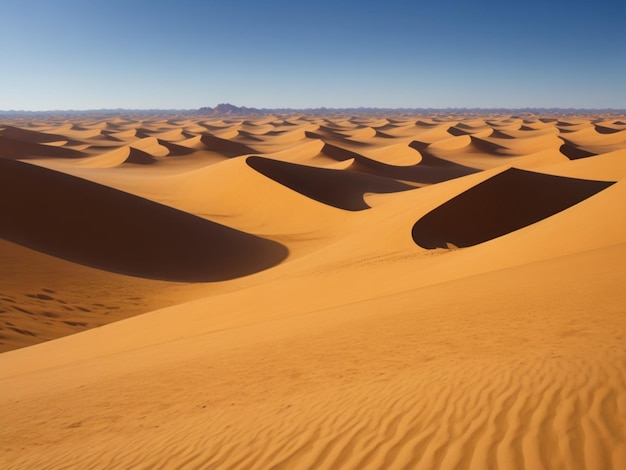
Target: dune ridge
[437, 291]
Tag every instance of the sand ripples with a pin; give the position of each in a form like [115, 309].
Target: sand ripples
[557, 414]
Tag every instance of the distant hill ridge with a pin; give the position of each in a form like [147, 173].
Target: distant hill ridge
[231, 109]
[228, 109]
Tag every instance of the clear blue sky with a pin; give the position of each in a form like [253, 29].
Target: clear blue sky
[71, 54]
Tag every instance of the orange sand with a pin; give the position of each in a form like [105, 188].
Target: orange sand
[313, 292]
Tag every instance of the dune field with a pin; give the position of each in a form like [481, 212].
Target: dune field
[296, 291]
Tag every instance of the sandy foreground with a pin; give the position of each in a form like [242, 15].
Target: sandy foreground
[411, 292]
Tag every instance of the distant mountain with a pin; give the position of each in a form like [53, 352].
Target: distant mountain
[69, 113]
[228, 109]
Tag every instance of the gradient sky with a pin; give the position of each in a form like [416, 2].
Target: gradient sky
[70, 54]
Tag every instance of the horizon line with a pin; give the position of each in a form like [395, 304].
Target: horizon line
[235, 108]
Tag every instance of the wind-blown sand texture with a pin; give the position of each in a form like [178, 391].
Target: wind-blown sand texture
[313, 292]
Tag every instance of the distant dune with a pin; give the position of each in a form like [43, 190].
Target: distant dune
[241, 288]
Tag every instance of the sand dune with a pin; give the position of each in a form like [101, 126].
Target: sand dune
[17, 149]
[434, 291]
[430, 169]
[124, 135]
[509, 145]
[338, 188]
[523, 198]
[610, 166]
[151, 146]
[590, 140]
[225, 147]
[31, 136]
[101, 227]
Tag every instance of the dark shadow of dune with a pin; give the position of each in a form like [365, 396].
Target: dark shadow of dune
[383, 135]
[324, 133]
[487, 147]
[139, 157]
[429, 171]
[456, 132]
[228, 148]
[428, 125]
[101, 227]
[175, 150]
[28, 136]
[500, 135]
[343, 189]
[502, 204]
[120, 135]
[464, 125]
[278, 133]
[142, 133]
[338, 153]
[605, 130]
[573, 152]
[250, 136]
[16, 149]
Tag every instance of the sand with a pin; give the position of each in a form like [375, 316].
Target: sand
[313, 292]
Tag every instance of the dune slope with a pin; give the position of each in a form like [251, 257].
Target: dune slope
[338, 188]
[420, 379]
[506, 202]
[98, 226]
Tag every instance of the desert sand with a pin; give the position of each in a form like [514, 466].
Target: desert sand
[411, 292]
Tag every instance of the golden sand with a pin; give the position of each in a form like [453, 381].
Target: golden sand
[313, 292]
